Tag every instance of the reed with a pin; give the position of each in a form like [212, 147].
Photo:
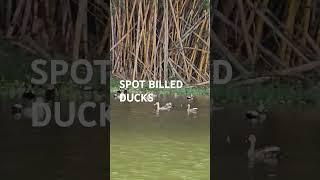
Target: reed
[51, 29]
[160, 40]
[268, 38]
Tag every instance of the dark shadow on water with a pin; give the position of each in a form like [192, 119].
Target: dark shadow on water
[294, 129]
[50, 152]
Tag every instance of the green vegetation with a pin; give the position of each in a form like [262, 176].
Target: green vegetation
[14, 61]
[269, 94]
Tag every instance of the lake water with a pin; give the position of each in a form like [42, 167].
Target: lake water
[50, 153]
[169, 145]
[294, 129]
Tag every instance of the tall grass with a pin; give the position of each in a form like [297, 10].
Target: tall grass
[160, 40]
[268, 37]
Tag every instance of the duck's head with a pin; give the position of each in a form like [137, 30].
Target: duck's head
[17, 108]
[157, 103]
[188, 105]
[16, 111]
[261, 108]
[252, 138]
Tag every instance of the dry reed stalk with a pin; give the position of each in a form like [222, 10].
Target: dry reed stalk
[167, 41]
[78, 29]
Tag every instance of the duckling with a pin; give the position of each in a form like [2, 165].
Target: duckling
[190, 98]
[192, 110]
[163, 108]
[269, 155]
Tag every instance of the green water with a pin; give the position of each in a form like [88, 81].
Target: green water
[168, 146]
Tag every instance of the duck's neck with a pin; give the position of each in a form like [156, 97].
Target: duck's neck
[252, 147]
[158, 106]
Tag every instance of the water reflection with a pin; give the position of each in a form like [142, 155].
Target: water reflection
[293, 129]
[50, 152]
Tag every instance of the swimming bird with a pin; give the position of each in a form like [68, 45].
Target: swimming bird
[190, 98]
[269, 155]
[168, 105]
[163, 108]
[19, 110]
[256, 116]
[87, 93]
[16, 111]
[50, 93]
[28, 94]
[120, 92]
[192, 110]
[98, 95]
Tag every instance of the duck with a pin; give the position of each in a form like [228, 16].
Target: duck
[16, 111]
[192, 110]
[28, 94]
[257, 116]
[87, 92]
[163, 108]
[19, 92]
[50, 93]
[98, 95]
[190, 98]
[120, 92]
[269, 155]
[168, 105]
[25, 110]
